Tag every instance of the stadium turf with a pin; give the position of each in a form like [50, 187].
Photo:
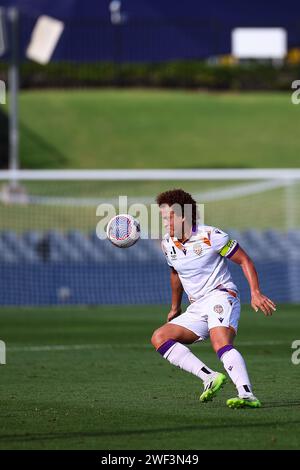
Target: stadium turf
[157, 129]
[88, 378]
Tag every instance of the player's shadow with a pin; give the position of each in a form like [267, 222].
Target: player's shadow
[94, 434]
[280, 404]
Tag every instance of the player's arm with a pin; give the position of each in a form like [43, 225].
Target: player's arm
[258, 300]
[177, 291]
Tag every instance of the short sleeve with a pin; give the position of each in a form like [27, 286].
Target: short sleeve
[164, 250]
[221, 242]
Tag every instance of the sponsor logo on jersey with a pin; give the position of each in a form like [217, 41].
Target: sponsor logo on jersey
[197, 248]
[173, 253]
[218, 309]
[220, 320]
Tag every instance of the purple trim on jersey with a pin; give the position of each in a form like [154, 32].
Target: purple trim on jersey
[223, 350]
[166, 346]
[233, 251]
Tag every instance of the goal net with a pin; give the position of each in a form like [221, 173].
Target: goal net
[52, 251]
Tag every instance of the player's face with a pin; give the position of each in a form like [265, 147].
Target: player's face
[172, 222]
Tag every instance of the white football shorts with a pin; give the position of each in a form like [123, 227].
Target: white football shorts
[218, 308]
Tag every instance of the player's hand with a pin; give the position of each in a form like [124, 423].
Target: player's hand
[174, 313]
[263, 303]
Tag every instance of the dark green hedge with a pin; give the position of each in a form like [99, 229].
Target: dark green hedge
[180, 74]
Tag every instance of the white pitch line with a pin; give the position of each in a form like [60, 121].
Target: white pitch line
[80, 347]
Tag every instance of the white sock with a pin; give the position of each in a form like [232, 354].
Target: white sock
[235, 367]
[180, 356]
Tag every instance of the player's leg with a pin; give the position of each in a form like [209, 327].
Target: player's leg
[169, 331]
[222, 338]
[170, 340]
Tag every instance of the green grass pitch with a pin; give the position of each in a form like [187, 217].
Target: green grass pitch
[157, 129]
[88, 378]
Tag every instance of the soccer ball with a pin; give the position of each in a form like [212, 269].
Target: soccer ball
[123, 230]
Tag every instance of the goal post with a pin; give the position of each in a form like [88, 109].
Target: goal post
[51, 254]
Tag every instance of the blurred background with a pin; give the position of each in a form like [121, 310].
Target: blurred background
[144, 85]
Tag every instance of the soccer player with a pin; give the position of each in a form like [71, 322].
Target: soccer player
[197, 255]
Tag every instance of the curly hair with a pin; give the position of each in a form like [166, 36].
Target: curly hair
[180, 197]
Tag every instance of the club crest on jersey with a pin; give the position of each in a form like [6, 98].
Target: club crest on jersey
[197, 248]
[218, 309]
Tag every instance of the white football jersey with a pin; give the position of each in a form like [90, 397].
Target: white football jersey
[201, 260]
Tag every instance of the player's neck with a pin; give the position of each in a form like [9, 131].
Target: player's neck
[187, 234]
